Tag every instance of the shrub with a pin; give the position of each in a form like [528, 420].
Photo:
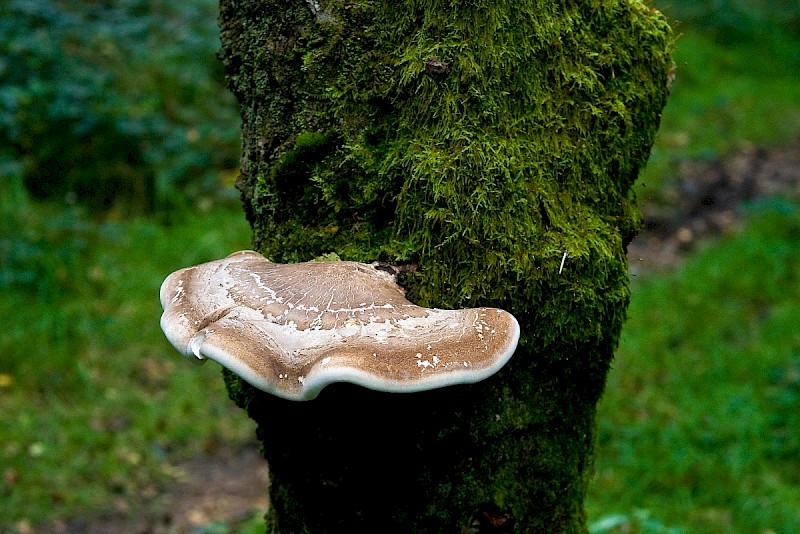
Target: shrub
[105, 102]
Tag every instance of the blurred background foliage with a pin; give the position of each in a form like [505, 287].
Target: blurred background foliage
[736, 81]
[117, 104]
[733, 20]
[118, 148]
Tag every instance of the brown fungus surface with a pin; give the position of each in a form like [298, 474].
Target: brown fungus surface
[292, 329]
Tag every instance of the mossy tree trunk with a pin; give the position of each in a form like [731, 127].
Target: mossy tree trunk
[493, 144]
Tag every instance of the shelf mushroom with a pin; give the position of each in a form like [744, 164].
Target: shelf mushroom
[292, 329]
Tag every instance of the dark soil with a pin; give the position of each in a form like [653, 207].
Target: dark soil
[230, 485]
[226, 487]
[705, 202]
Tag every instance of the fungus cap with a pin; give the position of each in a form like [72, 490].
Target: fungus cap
[292, 329]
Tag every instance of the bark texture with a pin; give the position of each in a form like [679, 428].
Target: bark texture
[493, 144]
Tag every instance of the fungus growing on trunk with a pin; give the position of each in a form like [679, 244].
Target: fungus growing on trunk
[292, 329]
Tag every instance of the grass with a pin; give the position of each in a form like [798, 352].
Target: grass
[97, 406]
[727, 92]
[699, 423]
[699, 428]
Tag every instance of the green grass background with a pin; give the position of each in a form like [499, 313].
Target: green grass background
[699, 429]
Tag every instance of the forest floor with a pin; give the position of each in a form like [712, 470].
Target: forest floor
[216, 493]
[706, 202]
[227, 487]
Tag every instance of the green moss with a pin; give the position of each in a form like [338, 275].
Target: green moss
[495, 145]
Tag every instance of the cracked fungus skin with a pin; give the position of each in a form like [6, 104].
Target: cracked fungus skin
[292, 329]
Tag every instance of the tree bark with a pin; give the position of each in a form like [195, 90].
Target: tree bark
[494, 145]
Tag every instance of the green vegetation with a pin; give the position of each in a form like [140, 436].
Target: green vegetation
[699, 422]
[115, 104]
[736, 82]
[698, 426]
[97, 406]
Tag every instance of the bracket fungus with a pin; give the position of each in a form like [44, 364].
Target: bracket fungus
[292, 329]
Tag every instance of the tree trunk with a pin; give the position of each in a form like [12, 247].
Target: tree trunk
[494, 145]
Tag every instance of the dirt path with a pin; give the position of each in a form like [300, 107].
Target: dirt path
[224, 487]
[705, 201]
[228, 486]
